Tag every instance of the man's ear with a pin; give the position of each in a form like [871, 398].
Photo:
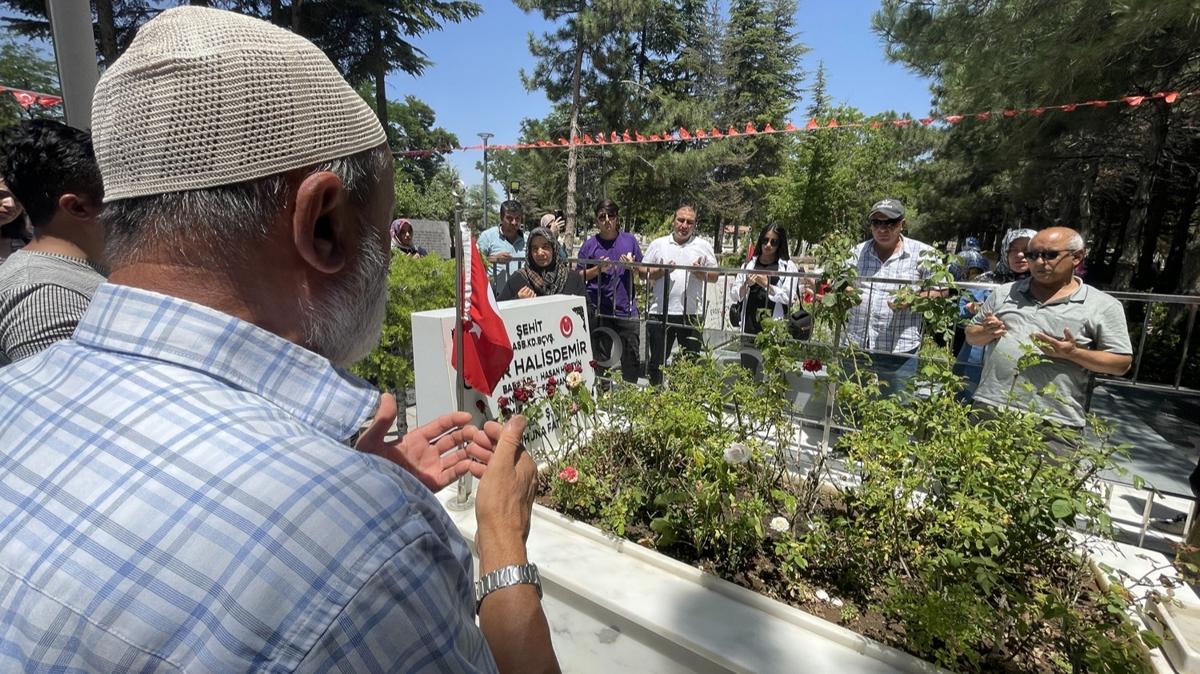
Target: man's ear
[79, 206]
[320, 229]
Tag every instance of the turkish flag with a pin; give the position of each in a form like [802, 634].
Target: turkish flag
[487, 351]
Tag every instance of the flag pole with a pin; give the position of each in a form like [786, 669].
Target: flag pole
[462, 500]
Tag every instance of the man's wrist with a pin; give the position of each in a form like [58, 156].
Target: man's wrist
[499, 551]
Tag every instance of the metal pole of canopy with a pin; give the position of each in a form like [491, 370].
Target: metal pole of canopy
[75, 52]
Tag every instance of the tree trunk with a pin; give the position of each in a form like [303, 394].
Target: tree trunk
[1086, 189]
[380, 67]
[108, 31]
[573, 151]
[1189, 282]
[1145, 275]
[1133, 239]
[1172, 280]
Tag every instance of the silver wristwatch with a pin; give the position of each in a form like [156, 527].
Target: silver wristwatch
[506, 576]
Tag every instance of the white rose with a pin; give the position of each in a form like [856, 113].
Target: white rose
[780, 524]
[574, 380]
[737, 453]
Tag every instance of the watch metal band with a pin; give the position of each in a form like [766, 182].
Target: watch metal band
[507, 576]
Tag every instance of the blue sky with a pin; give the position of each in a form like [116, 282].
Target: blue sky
[474, 84]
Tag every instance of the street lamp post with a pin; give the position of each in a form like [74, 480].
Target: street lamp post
[485, 136]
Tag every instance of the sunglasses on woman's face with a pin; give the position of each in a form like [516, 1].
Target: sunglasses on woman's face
[770, 242]
[606, 216]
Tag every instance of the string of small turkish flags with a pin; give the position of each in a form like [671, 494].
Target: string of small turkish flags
[679, 135]
[27, 99]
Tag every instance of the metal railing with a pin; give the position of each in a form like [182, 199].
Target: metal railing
[1161, 330]
[714, 298]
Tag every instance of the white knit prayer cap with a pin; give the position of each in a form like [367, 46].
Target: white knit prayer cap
[205, 97]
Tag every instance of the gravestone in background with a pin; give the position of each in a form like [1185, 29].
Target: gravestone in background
[432, 235]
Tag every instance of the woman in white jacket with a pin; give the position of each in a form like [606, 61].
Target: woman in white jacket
[757, 288]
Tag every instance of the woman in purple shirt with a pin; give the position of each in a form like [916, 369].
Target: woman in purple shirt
[604, 261]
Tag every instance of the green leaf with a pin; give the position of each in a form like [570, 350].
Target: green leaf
[1061, 509]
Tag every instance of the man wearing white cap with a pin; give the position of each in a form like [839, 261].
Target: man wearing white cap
[879, 323]
[177, 487]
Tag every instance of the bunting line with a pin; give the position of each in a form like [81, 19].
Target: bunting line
[27, 99]
[749, 129]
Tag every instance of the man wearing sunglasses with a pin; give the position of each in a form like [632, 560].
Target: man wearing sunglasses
[616, 332]
[878, 323]
[1081, 329]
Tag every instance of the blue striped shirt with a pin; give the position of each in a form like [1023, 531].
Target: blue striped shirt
[873, 324]
[177, 494]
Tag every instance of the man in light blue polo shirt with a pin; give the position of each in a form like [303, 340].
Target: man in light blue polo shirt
[1081, 329]
[504, 244]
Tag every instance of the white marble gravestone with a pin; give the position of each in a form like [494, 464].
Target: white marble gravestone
[547, 333]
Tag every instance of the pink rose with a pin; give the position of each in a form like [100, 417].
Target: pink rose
[569, 474]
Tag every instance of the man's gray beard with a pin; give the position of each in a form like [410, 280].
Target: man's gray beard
[346, 323]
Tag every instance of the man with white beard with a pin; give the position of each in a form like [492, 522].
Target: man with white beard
[177, 487]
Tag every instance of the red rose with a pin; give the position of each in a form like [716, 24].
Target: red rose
[594, 364]
[809, 298]
[811, 365]
[569, 474]
[552, 381]
[503, 401]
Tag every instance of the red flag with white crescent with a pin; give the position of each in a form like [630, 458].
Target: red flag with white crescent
[487, 351]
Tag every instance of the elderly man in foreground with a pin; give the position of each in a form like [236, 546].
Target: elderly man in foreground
[177, 490]
[1081, 329]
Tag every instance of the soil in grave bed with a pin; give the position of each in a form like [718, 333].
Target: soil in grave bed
[762, 576]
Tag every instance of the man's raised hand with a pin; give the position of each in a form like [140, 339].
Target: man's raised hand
[437, 453]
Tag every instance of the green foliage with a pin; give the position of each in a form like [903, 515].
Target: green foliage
[672, 460]
[1083, 168]
[928, 298]
[832, 175]
[433, 201]
[954, 522]
[414, 284]
[21, 67]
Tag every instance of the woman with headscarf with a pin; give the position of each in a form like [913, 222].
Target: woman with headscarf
[546, 272]
[402, 239]
[1012, 266]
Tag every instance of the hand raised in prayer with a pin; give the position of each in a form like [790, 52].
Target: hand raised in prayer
[437, 453]
[1056, 347]
[993, 327]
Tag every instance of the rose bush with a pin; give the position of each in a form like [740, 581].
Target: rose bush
[947, 527]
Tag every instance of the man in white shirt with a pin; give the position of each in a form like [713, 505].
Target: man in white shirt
[677, 297]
